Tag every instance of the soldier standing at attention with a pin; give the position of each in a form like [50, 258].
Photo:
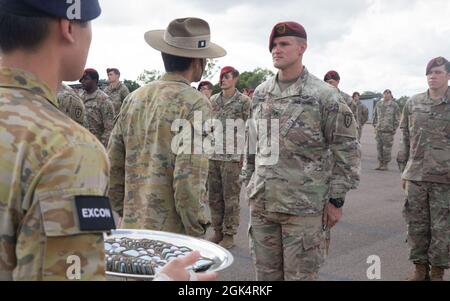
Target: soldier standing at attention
[71, 104]
[156, 182]
[99, 109]
[116, 90]
[386, 119]
[360, 111]
[333, 78]
[424, 159]
[293, 201]
[224, 168]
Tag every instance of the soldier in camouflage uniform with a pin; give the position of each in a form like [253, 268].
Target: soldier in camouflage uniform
[157, 181]
[360, 111]
[333, 78]
[386, 119]
[71, 104]
[293, 200]
[206, 88]
[224, 168]
[99, 108]
[116, 90]
[50, 165]
[424, 159]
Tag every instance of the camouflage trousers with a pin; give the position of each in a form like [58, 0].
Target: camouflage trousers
[285, 247]
[223, 195]
[385, 140]
[360, 129]
[427, 216]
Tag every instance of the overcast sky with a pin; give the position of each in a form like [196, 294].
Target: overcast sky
[373, 44]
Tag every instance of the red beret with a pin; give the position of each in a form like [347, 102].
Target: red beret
[226, 70]
[92, 73]
[332, 75]
[204, 83]
[285, 29]
[436, 62]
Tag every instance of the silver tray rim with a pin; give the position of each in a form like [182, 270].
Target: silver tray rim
[188, 241]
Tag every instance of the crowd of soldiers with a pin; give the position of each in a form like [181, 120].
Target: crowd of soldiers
[152, 175]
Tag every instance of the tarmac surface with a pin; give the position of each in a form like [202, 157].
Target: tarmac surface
[372, 224]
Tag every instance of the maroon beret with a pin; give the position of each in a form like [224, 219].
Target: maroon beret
[436, 62]
[226, 70]
[92, 74]
[285, 29]
[332, 75]
[205, 83]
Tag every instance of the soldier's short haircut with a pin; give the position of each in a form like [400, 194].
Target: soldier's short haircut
[18, 32]
[173, 63]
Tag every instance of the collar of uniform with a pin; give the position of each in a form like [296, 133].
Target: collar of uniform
[21, 79]
[227, 100]
[88, 97]
[173, 77]
[445, 99]
[297, 86]
[114, 87]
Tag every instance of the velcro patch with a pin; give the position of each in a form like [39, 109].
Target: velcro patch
[94, 213]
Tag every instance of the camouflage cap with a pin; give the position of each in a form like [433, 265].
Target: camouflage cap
[332, 75]
[284, 29]
[87, 9]
[436, 62]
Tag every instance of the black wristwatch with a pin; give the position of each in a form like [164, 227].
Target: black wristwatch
[338, 203]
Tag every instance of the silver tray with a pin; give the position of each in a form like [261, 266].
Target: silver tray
[222, 258]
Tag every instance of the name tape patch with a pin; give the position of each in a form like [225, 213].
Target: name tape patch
[94, 213]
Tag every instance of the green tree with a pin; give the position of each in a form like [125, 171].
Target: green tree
[252, 79]
[131, 85]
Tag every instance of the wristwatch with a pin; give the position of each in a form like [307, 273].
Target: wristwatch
[338, 203]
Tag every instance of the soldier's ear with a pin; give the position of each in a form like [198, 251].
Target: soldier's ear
[66, 28]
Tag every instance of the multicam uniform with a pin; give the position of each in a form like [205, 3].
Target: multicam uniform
[152, 186]
[287, 198]
[223, 178]
[117, 94]
[424, 158]
[361, 113]
[71, 104]
[48, 161]
[386, 119]
[100, 114]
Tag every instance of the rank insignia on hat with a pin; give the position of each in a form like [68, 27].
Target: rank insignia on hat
[348, 119]
[281, 29]
[202, 44]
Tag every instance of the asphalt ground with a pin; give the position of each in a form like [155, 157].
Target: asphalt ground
[372, 224]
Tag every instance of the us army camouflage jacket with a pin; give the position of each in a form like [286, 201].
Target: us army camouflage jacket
[71, 104]
[347, 98]
[386, 116]
[235, 109]
[46, 160]
[100, 114]
[314, 123]
[155, 182]
[117, 94]
[425, 146]
[360, 112]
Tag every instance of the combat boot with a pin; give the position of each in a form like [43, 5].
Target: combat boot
[217, 237]
[422, 273]
[437, 274]
[380, 165]
[227, 241]
[383, 167]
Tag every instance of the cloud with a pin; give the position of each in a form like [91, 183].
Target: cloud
[373, 44]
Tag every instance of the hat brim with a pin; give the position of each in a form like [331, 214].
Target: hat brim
[155, 38]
